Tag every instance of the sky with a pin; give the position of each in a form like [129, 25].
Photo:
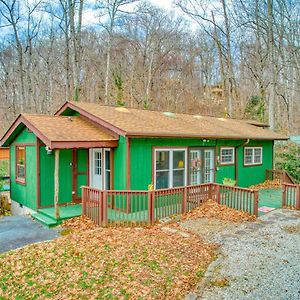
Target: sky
[90, 16]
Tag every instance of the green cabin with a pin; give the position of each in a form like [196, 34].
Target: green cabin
[118, 148]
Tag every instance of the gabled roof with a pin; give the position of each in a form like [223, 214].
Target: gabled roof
[146, 123]
[61, 132]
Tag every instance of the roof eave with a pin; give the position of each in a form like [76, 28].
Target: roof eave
[83, 144]
[91, 117]
[5, 141]
[207, 136]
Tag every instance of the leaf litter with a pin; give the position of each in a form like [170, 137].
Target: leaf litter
[112, 263]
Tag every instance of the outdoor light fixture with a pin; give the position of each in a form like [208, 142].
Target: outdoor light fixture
[49, 151]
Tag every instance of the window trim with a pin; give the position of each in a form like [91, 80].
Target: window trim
[233, 156]
[170, 170]
[252, 160]
[20, 179]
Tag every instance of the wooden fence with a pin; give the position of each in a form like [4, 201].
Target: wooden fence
[280, 175]
[115, 207]
[291, 195]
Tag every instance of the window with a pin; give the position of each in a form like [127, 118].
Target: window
[252, 156]
[170, 168]
[227, 156]
[98, 162]
[20, 163]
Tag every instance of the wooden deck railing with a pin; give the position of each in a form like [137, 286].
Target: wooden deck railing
[239, 198]
[280, 175]
[115, 207]
[291, 195]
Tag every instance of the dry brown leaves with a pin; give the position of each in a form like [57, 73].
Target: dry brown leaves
[79, 224]
[211, 209]
[106, 263]
[274, 184]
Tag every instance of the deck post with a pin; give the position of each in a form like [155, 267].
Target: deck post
[217, 192]
[84, 192]
[210, 187]
[150, 207]
[56, 184]
[184, 199]
[297, 204]
[104, 208]
[255, 206]
[283, 195]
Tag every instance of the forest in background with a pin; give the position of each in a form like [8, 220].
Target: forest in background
[229, 58]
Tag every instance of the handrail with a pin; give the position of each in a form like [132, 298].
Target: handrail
[283, 175]
[111, 207]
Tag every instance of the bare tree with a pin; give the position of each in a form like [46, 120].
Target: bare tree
[113, 10]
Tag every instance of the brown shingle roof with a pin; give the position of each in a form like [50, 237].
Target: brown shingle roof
[64, 129]
[139, 122]
[63, 132]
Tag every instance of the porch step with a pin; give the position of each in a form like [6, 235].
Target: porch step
[47, 221]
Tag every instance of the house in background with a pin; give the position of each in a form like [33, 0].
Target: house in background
[121, 148]
[4, 153]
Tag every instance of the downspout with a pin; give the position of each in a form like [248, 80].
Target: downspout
[236, 160]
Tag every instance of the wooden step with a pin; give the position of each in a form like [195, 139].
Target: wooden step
[45, 220]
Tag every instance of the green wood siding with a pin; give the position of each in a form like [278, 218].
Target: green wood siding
[47, 176]
[24, 194]
[141, 163]
[120, 165]
[251, 175]
[141, 156]
[82, 166]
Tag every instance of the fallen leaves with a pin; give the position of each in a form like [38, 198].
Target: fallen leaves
[274, 184]
[211, 209]
[79, 224]
[106, 263]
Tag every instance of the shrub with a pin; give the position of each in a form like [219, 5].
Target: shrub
[287, 157]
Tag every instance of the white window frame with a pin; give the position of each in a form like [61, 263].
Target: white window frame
[171, 170]
[252, 156]
[233, 156]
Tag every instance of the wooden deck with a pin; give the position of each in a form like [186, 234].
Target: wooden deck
[46, 216]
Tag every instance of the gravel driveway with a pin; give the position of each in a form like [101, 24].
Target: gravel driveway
[258, 260]
[18, 231]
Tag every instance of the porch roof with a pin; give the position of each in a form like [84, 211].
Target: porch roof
[147, 123]
[60, 132]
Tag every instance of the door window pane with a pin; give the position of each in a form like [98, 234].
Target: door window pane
[209, 166]
[97, 157]
[195, 167]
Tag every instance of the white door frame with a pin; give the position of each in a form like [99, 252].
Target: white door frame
[103, 170]
[92, 168]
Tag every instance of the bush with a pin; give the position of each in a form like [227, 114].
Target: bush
[3, 171]
[287, 157]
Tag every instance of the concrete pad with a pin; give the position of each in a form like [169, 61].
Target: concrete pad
[18, 231]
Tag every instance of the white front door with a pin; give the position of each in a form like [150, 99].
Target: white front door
[96, 164]
[209, 166]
